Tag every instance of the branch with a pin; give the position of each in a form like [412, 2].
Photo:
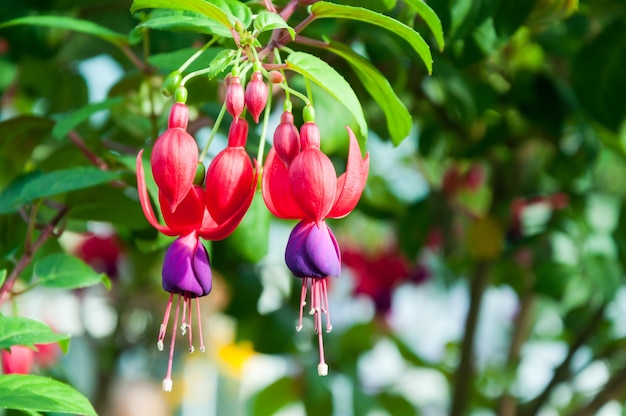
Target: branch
[80, 143]
[613, 389]
[464, 375]
[562, 372]
[47, 232]
[507, 406]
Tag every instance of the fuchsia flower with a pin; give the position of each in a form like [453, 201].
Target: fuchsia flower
[174, 157]
[307, 188]
[256, 95]
[235, 97]
[212, 214]
[17, 360]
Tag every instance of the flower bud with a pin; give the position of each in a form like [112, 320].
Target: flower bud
[235, 99]
[170, 83]
[286, 139]
[256, 95]
[310, 135]
[179, 116]
[275, 77]
[17, 360]
[238, 133]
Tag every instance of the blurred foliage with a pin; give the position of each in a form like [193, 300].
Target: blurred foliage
[512, 177]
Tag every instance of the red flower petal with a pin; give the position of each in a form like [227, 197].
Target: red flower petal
[188, 215]
[229, 182]
[276, 191]
[313, 182]
[351, 183]
[211, 230]
[144, 199]
[174, 160]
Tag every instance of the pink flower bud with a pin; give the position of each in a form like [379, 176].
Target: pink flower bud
[310, 135]
[286, 139]
[275, 77]
[179, 116]
[234, 97]
[238, 133]
[18, 360]
[256, 95]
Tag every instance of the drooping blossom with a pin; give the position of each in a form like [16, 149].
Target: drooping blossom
[186, 271]
[307, 188]
[174, 157]
[256, 95]
[235, 97]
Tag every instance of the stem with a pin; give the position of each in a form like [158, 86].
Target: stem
[269, 6]
[309, 93]
[613, 389]
[80, 143]
[141, 65]
[196, 54]
[520, 334]
[311, 42]
[288, 10]
[46, 233]
[216, 126]
[194, 74]
[266, 119]
[563, 371]
[296, 93]
[463, 378]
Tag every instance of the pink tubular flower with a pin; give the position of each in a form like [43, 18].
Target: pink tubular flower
[212, 214]
[256, 95]
[17, 360]
[230, 179]
[174, 157]
[235, 98]
[307, 188]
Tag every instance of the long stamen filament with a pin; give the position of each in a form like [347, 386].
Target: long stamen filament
[202, 349]
[188, 303]
[167, 381]
[163, 328]
[302, 303]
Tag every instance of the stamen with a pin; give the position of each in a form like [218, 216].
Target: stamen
[163, 327]
[302, 303]
[329, 327]
[183, 326]
[167, 382]
[202, 349]
[312, 311]
[188, 303]
[322, 368]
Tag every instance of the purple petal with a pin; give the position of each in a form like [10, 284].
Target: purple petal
[312, 251]
[186, 268]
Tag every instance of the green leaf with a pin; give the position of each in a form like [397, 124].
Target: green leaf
[16, 330]
[3, 276]
[324, 9]
[269, 21]
[41, 394]
[225, 12]
[250, 239]
[66, 180]
[18, 138]
[177, 21]
[66, 124]
[10, 198]
[62, 271]
[274, 397]
[70, 23]
[170, 61]
[330, 80]
[399, 119]
[430, 18]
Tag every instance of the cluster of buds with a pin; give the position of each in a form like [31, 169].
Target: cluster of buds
[192, 211]
[299, 182]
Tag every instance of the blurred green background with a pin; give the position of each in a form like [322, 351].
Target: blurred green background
[483, 268]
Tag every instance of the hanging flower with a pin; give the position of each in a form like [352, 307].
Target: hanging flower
[174, 157]
[18, 359]
[212, 214]
[186, 275]
[256, 95]
[307, 188]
